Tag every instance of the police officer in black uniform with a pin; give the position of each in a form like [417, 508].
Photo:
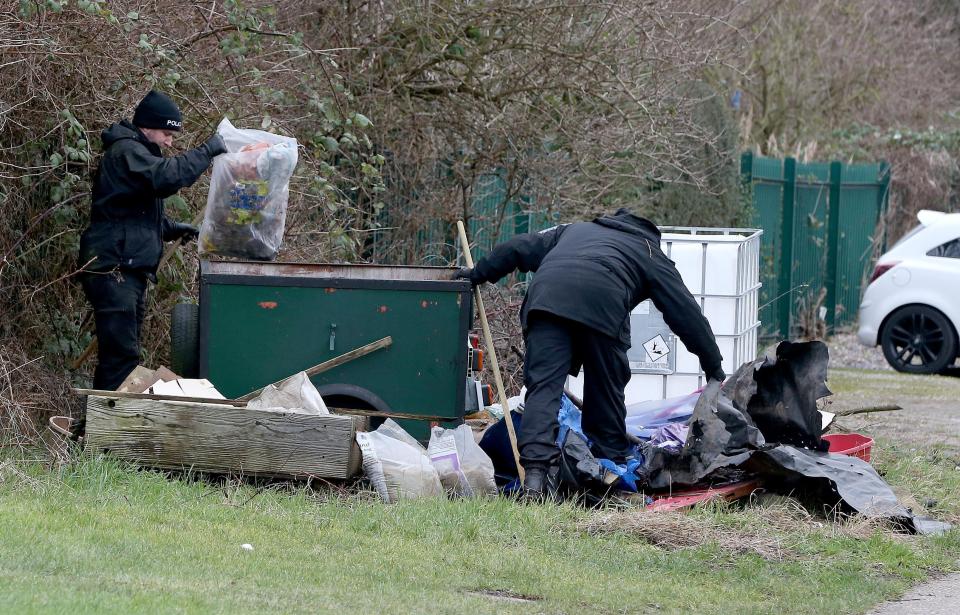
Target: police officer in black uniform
[589, 277]
[120, 250]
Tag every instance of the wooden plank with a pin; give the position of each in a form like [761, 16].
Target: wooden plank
[391, 415]
[152, 397]
[213, 437]
[242, 404]
[346, 357]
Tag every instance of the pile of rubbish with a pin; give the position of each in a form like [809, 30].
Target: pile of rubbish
[761, 428]
[763, 424]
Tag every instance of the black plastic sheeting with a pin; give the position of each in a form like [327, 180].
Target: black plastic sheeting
[765, 420]
[780, 392]
[577, 472]
[720, 436]
[849, 483]
[770, 401]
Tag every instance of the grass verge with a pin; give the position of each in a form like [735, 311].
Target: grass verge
[99, 536]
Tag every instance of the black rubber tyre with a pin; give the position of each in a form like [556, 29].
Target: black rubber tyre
[185, 340]
[918, 339]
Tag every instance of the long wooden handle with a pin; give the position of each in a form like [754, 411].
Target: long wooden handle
[494, 365]
[330, 364]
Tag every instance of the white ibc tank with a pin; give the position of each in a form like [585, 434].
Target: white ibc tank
[721, 268]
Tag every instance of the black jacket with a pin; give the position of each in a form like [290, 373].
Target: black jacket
[596, 272]
[127, 224]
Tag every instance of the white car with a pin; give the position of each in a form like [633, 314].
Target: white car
[912, 304]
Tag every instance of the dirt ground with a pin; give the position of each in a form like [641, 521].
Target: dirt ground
[860, 377]
[931, 405]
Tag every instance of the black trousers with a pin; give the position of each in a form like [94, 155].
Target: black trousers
[117, 298]
[555, 346]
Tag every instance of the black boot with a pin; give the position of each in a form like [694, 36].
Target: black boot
[535, 483]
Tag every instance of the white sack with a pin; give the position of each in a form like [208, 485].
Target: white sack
[463, 467]
[295, 394]
[396, 465]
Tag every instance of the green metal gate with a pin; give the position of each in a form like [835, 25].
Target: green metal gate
[495, 217]
[820, 223]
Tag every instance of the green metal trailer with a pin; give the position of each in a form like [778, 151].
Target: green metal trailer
[258, 323]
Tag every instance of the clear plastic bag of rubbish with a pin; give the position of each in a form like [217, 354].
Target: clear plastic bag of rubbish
[295, 394]
[396, 465]
[464, 468]
[249, 188]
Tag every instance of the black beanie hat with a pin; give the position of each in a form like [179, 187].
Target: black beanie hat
[157, 110]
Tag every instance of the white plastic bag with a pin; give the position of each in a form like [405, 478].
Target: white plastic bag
[463, 467]
[396, 465]
[249, 188]
[295, 394]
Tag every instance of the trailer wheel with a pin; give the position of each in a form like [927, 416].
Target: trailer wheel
[185, 340]
[351, 396]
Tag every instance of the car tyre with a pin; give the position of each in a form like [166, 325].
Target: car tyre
[185, 340]
[918, 339]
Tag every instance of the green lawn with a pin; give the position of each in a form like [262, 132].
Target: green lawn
[98, 536]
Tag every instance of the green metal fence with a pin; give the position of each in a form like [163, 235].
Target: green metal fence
[820, 224]
[495, 217]
[828, 211]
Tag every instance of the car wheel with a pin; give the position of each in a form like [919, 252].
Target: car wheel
[918, 340]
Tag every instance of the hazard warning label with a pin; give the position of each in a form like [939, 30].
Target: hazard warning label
[652, 345]
[656, 348]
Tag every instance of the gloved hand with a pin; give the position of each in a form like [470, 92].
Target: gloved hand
[215, 145]
[717, 375]
[467, 273]
[183, 231]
